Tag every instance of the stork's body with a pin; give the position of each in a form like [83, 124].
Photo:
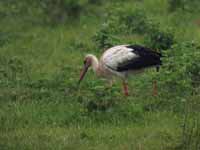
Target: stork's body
[121, 61]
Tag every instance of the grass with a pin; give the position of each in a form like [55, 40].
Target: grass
[41, 106]
[151, 134]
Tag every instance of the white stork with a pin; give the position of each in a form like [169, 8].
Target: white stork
[121, 61]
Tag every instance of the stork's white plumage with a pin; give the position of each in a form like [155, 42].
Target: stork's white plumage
[120, 61]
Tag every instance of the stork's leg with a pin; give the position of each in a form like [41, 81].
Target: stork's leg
[155, 90]
[125, 86]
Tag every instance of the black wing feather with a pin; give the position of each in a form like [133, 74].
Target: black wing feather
[147, 58]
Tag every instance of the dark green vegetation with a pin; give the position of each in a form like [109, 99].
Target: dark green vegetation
[42, 44]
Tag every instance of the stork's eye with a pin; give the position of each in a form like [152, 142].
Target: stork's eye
[84, 62]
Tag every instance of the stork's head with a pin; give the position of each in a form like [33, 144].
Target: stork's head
[86, 64]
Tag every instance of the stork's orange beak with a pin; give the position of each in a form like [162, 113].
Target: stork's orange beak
[83, 72]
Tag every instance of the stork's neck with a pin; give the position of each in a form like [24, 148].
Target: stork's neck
[95, 63]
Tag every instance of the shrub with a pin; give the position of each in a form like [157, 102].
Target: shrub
[174, 4]
[106, 36]
[157, 39]
[122, 24]
[181, 70]
[134, 21]
[183, 4]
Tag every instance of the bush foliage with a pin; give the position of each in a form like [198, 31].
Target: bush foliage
[130, 22]
[181, 69]
[188, 5]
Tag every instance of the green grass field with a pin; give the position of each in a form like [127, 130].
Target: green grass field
[41, 106]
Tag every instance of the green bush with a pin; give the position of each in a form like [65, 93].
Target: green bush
[175, 4]
[135, 21]
[181, 70]
[106, 36]
[123, 23]
[183, 4]
[159, 40]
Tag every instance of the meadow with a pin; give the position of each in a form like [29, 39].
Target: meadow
[42, 46]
